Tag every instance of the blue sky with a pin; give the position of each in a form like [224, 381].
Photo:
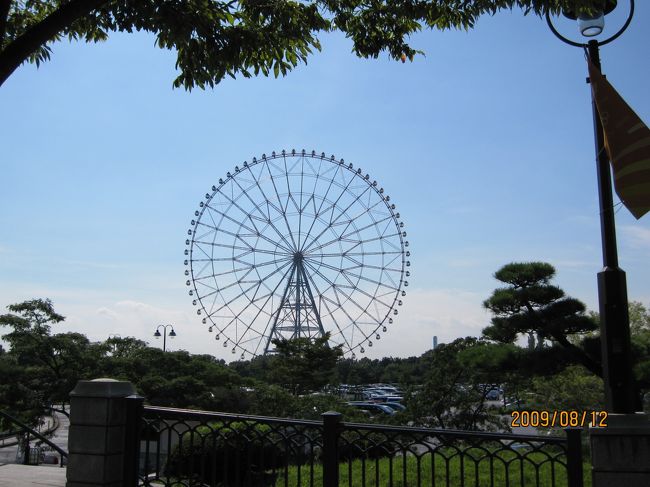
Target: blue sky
[485, 145]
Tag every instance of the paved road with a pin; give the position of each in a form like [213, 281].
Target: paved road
[60, 439]
[12, 475]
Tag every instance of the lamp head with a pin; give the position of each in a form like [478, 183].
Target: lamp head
[172, 333]
[157, 334]
[592, 24]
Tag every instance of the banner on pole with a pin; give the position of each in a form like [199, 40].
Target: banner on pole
[627, 142]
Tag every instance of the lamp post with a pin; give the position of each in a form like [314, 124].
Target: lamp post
[620, 394]
[164, 334]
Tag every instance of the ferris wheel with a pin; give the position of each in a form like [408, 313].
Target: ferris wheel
[296, 245]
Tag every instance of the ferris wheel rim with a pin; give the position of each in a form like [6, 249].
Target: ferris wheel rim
[290, 248]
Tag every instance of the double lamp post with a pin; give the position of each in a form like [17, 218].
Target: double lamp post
[164, 334]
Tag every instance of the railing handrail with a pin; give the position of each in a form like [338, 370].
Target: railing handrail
[24, 427]
[192, 413]
[448, 433]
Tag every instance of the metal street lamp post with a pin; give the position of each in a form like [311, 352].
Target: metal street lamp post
[164, 334]
[620, 396]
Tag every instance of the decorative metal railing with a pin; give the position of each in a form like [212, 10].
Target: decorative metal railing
[197, 448]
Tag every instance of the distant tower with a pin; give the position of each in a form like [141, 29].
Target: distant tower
[435, 341]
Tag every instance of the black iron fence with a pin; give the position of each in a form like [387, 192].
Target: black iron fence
[195, 448]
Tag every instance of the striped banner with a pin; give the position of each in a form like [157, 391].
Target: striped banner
[627, 141]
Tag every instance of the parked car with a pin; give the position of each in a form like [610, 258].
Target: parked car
[493, 395]
[373, 408]
[395, 405]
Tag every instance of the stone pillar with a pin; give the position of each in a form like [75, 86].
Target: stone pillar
[620, 451]
[96, 439]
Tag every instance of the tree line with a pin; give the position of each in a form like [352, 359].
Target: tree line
[542, 347]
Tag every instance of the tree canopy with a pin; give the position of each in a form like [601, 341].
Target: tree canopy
[303, 364]
[214, 39]
[456, 384]
[531, 305]
[448, 385]
[40, 368]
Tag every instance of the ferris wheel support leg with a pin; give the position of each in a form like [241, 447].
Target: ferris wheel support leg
[312, 301]
[279, 310]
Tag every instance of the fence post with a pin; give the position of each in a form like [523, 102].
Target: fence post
[96, 438]
[331, 429]
[25, 441]
[574, 457]
[134, 405]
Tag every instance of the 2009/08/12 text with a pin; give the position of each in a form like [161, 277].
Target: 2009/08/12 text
[561, 419]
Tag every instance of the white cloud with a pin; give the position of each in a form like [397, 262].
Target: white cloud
[108, 313]
[446, 313]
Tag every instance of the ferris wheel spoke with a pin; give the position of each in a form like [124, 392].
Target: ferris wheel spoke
[354, 201]
[375, 267]
[364, 212]
[354, 302]
[236, 204]
[352, 254]
[236, 270]
[304, 213]
[350, 318]
[215, 230]
[245, 192]
[302, 182]
[261, 308]
[317, 213]
[381, 238]
[245, 292]
[290, 193]
[329, 311]
[356, 241]
[241, 225]
[299, 215]
[247, 249]
[332, 284]
[346, 273]
[271, 223]
[235, 315]
[271, 274]
[334, 220]
[240, 236]
[333, 206]
[326, 244]
[284, 212]
[200, 271]
[374, 224]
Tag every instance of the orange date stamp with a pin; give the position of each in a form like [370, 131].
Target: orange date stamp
[559, 419]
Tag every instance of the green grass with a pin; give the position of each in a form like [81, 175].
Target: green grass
[445, 473]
